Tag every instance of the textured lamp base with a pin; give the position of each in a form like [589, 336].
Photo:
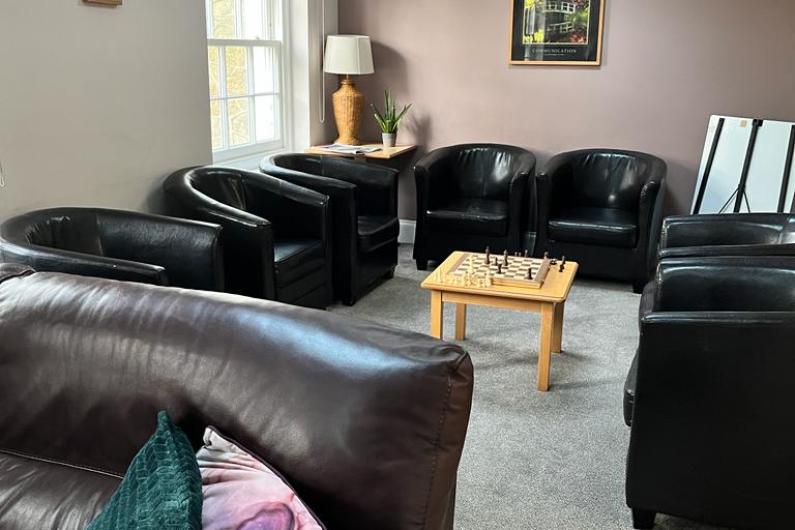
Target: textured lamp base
[348, 108]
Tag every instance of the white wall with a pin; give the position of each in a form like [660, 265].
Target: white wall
[97, 104]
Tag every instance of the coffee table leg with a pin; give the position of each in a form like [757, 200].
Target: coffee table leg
[545, 350]
[460, 321]
[557, 337]
[437, 314]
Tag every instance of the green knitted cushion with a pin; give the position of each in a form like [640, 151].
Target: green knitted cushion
[162, 488]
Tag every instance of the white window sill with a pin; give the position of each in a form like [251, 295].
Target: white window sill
[248, 162]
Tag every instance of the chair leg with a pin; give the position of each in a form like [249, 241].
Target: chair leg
[643, 519]
[422, 264]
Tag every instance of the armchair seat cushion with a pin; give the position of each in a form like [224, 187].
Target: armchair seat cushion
[595, 226]
[485, 217]
[295, 259]
[377, 230]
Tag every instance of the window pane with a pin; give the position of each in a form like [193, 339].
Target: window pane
[224, 19]
[274, 19]
[253, 19]
[265, 71]
[236, 71]
[267, 119]
[214, 60]
[239, 113]
[216, 125]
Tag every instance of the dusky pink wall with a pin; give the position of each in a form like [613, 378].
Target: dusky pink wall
[667, 66]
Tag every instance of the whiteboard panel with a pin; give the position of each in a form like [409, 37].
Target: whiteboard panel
[766, 172]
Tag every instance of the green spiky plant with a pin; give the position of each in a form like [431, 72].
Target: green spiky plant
[389, 120]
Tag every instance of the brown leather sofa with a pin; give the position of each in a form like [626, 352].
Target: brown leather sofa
[367, 423]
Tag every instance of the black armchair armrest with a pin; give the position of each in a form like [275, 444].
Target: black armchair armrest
[47, 259]
[735, 283]
[294, 211]
[376, 185]
[523, 169]
[725, 234]
[553, 186]
[432, 175]
[190, 251]
[713, 388]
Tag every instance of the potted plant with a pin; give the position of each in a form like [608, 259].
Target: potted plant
[389, 121]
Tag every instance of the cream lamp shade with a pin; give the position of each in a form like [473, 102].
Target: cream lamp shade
[348, 55]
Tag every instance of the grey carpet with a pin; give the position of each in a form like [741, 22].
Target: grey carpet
[536, 460]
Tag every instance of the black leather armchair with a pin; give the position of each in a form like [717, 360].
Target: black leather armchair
[712, 437]
[118, 245]
[469, 197]
[747, 234]
[276, 240]
[363, 211]
[603, 209]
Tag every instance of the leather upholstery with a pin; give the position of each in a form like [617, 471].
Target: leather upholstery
[469, 197]
[118, 245]
[756, 234]
[603, 209]
[483, 217]
[595, 226]
[365, 225]
[712, 387]
[367, 423]
[263, 218]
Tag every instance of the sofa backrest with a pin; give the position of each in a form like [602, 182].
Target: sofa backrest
[367, 423]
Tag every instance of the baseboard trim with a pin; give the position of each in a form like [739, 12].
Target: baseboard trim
[407, 230]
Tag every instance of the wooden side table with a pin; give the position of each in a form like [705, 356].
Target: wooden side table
[549, 301]
[385, 153]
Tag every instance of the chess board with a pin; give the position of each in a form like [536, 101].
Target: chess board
[514, 274]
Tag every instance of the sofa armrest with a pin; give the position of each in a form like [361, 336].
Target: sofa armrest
[190, 251]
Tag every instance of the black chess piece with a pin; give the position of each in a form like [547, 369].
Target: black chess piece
[529, 273]
[488, 255]
[562, 263]
[499, 268]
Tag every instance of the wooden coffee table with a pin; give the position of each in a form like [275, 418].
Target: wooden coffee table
[549, 300]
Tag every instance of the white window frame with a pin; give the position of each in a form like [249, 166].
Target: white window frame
[283, 73]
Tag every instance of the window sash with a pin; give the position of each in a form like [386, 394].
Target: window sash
[282, 124]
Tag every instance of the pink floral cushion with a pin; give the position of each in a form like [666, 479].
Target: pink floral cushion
[242, 493]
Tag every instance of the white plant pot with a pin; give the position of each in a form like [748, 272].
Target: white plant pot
[389, 139]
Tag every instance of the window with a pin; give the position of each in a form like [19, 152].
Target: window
[246, 59]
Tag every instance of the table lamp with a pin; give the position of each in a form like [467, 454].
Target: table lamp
[348, 55]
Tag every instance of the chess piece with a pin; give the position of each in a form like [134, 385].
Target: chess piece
[525, 253]
[546, 255]
[496, 262]
[488, 255]
[529, 273]
[499, 268]
[505, 258]
[562, 263]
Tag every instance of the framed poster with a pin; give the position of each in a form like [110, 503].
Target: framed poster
[557, 32]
